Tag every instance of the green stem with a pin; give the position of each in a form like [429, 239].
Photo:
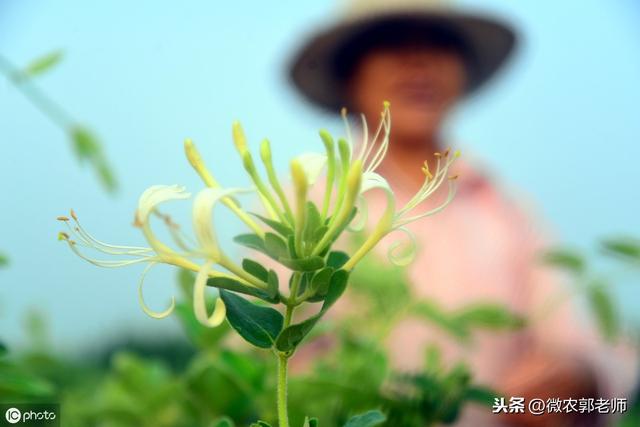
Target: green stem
[283, 415]
[35, 95]
[283, 360]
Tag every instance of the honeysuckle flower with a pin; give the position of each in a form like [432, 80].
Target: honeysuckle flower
[371, 153]
[206, 249]
[350, 173]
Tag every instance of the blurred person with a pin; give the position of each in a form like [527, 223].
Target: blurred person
[425, 57]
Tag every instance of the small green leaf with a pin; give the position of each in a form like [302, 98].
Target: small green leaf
[260, 424]
[223, 422]
[565, 258]
[624, 247]
[255, 269]
[337, 259]
[43, 63]
[604, 310]
[368, 419]
[304, 264]
[488, 315]
[310, 422]
[291, 336]
[88, 148]
[4, 260]
[320, 281]
[236, 286]
[251, 241]
[312, 223]
[274, 285]
[258, 325]
[276, 247]
[282, 229]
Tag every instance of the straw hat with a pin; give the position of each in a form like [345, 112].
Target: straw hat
[315, 69]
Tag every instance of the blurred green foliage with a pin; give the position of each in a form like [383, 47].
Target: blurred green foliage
[84, 142]
[208, 378]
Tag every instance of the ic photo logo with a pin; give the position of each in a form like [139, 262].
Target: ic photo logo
[13, 415]
[30, 414]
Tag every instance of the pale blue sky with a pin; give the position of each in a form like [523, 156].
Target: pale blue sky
[562, 126]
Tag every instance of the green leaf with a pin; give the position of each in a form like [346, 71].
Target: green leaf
[236, 286]
[4, 260]
[255, 269]
[258, 325]
[282, 229]
[337, 259]
[604, 310]
[274, 285]
[88, 149]
[321, 280]
[488, 315]
[260, 424]
[43, 63]
[310, 422]
[304, 264]
[368, 419]
[223, 422]
[276, 247]
[430, 311]
[313, 221]
[291, 336]
[251, 241]
[565, 258]
[624, 247]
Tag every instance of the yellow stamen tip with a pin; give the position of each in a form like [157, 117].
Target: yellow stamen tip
[457, 154]
[454, 177]
[63, 236]
[343, 111]
[63, 218]
[386, 104]
[73, 215]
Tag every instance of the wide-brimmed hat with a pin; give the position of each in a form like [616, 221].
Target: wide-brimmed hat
[316, 67]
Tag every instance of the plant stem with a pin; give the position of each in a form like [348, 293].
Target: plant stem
[283, 360]
[283, 415]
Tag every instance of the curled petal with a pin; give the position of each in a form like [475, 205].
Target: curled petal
[155, 195]
[199, 300]
[360, 221]
[147, 204]
[312, 164]
[203, 206]
[402, 252]
[151, 313]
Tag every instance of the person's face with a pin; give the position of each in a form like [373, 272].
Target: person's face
[421, 83]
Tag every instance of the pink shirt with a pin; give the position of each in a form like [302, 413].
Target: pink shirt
[485, 248]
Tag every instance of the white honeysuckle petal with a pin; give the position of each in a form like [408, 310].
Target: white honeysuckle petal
[402, 253]
[149, 200]
[200, 303]
[203, 226]
[145, 308]
[312, 164]
[157, 194]
[360, 221]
